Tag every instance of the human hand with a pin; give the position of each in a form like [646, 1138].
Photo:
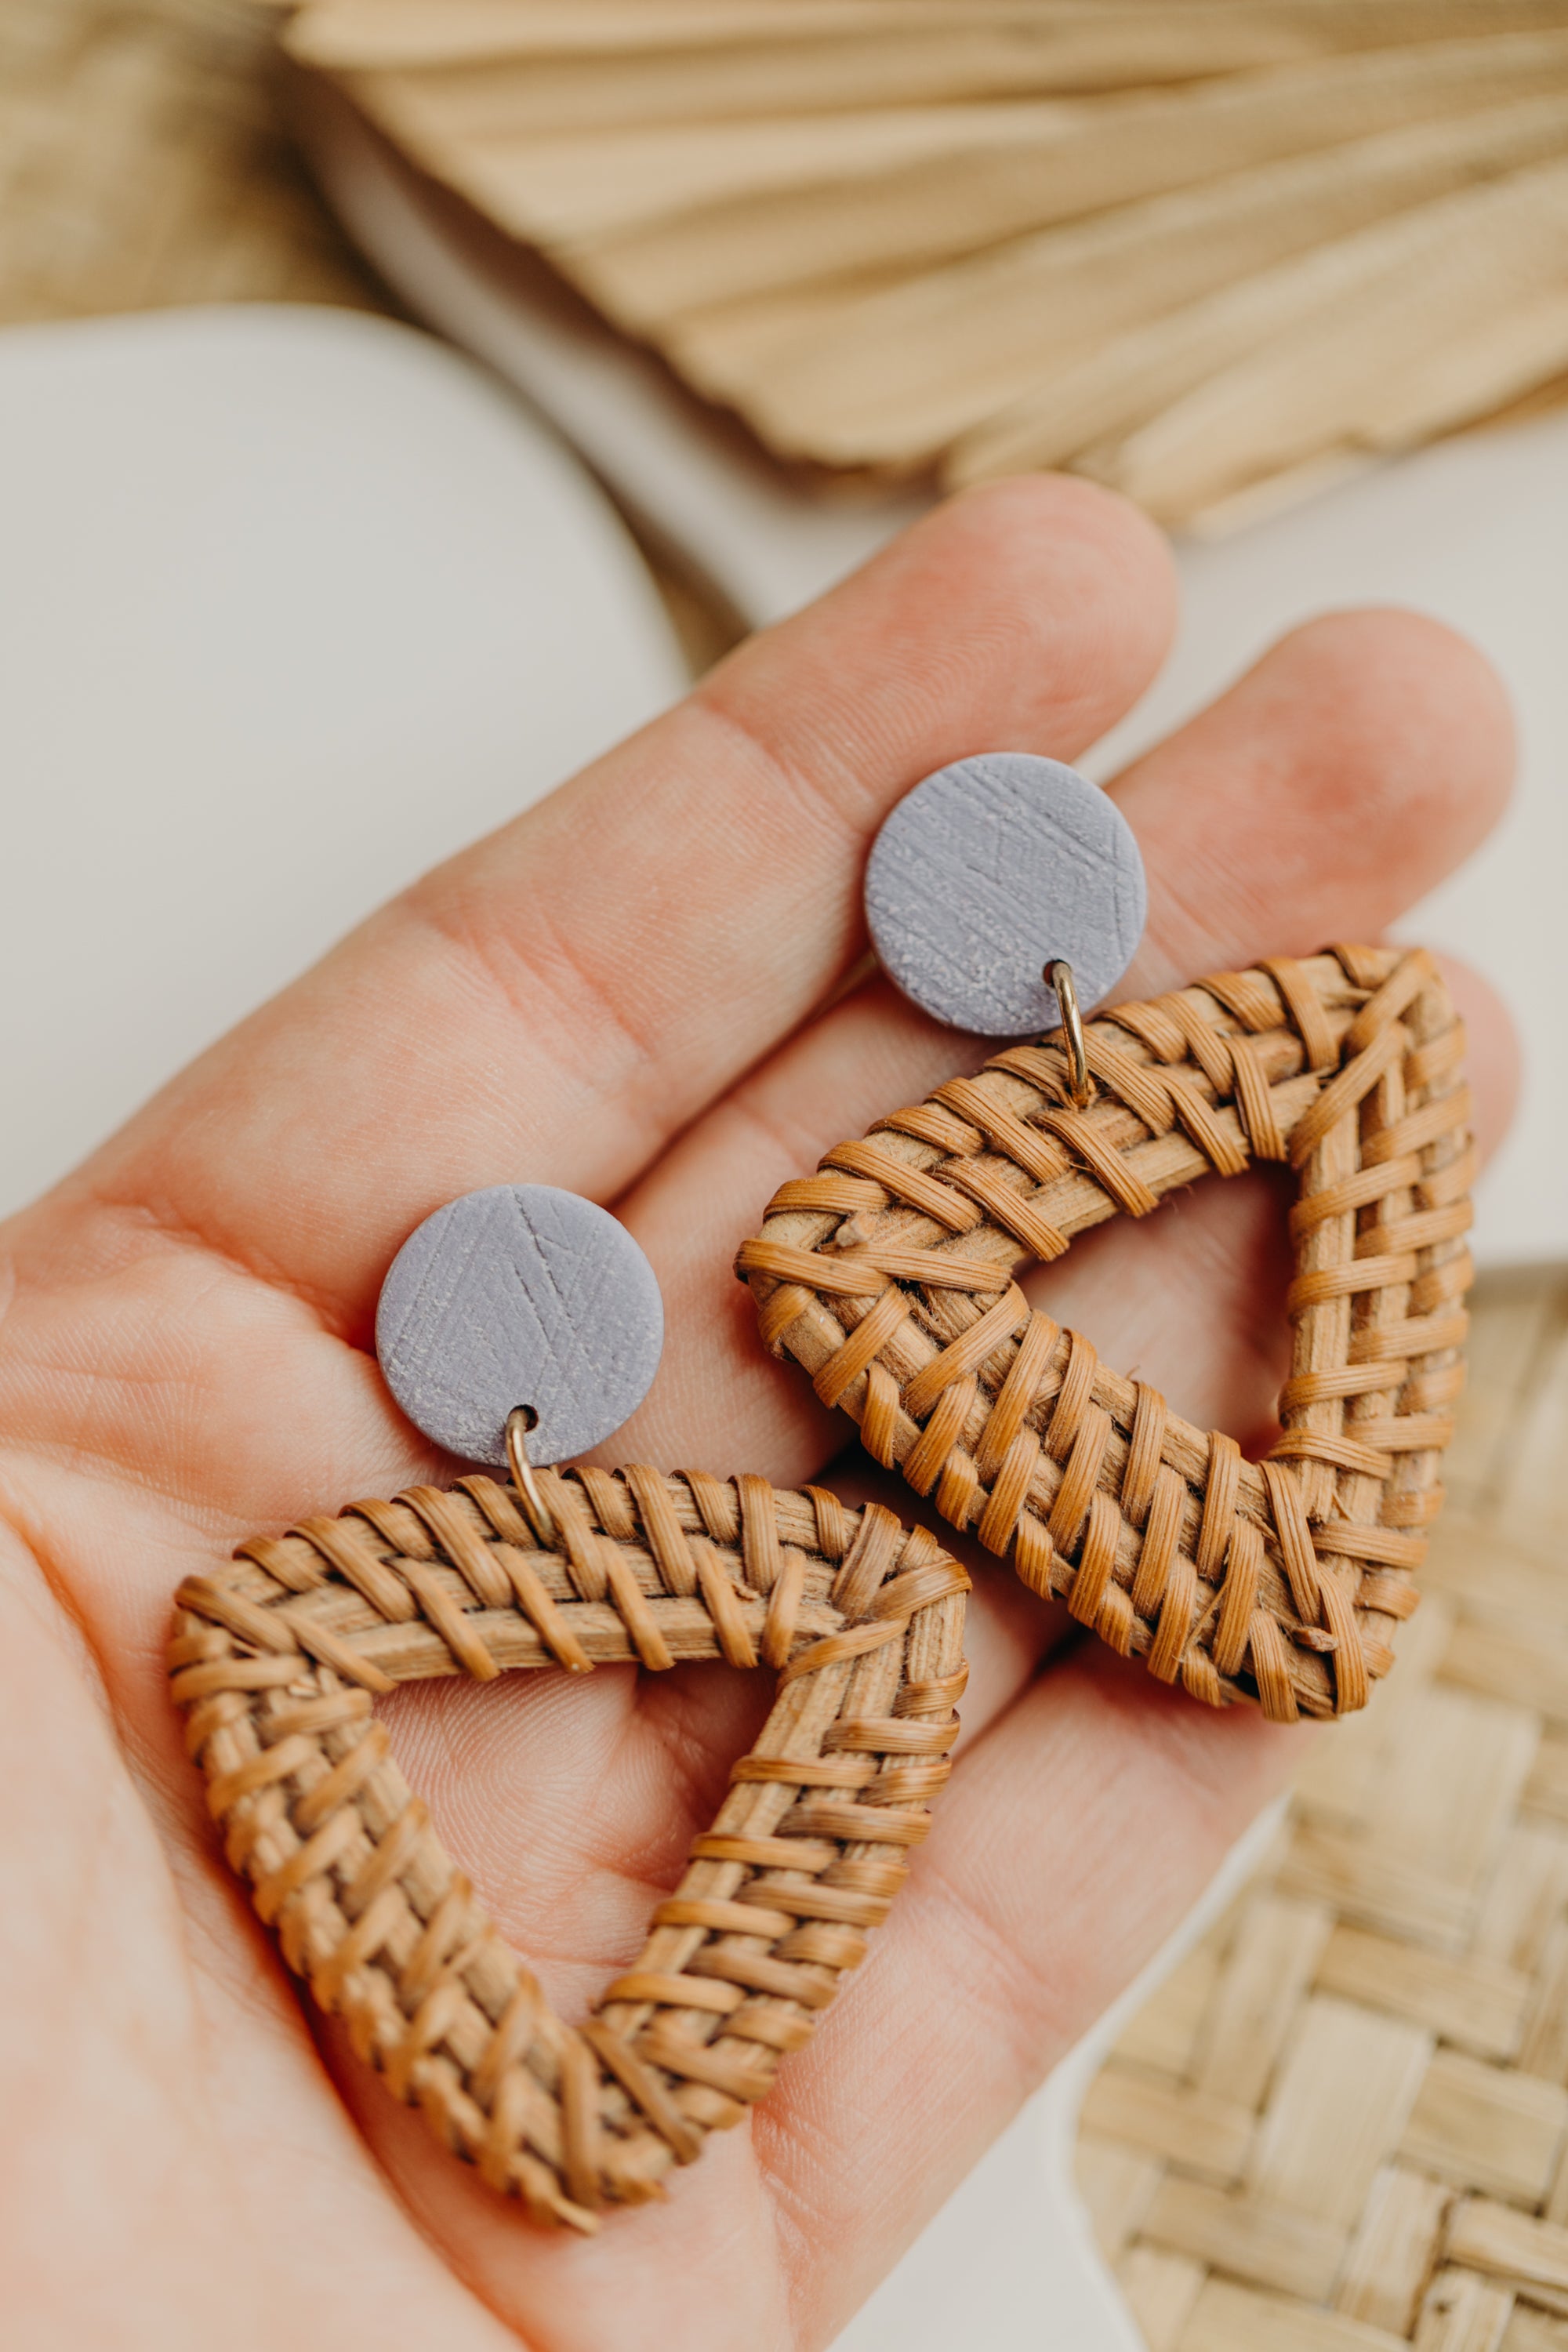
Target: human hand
[621, 993]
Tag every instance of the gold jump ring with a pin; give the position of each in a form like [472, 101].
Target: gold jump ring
[1059, 975]
[518, 1422]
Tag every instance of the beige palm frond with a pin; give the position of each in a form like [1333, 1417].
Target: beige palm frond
[1191, 249]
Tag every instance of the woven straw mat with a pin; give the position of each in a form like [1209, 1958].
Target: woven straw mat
[1342, 2122]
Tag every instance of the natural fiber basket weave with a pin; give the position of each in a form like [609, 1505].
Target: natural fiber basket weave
[1341, 2125]
[275, 1660]
[888, 1276]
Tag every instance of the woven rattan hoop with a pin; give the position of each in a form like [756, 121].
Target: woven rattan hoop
[889, 1277]
[275, 1661]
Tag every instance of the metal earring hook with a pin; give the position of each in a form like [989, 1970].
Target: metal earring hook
[1080, 1085]
[518, 1422]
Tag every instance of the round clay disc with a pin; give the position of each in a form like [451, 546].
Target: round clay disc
[520, 1295]
[988, 869]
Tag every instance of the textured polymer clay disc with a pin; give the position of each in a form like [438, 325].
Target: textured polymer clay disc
[520, 1295]
[987, 870]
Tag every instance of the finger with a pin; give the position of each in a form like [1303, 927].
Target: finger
[1491, 1056]
[1022, 1922]
[558, 1002]
[1358, 764]
[1260, 809]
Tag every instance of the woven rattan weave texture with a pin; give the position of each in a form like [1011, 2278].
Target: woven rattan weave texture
[1342, 2123]
[888, 1276]
[276, 1659]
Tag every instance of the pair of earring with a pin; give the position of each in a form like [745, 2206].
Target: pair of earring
[520, 1325]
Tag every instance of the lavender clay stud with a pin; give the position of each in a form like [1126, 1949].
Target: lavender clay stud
[520, 1295]
[990, 869]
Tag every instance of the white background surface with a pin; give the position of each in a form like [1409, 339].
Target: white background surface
[292, 604]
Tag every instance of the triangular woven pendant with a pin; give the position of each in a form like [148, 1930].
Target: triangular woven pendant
[889, 1277]
[275, 1660]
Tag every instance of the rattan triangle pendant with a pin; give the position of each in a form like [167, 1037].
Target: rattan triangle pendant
[518, 1325]
[890, 1275]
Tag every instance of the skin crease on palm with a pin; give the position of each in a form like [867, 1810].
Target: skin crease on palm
[619, 993]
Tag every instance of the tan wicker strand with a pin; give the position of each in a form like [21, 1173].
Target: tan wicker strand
[901, 1306]
[274, 1660]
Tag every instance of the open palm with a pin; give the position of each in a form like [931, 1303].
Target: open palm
[624, 992]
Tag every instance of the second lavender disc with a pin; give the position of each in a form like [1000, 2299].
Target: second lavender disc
[989, 868]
